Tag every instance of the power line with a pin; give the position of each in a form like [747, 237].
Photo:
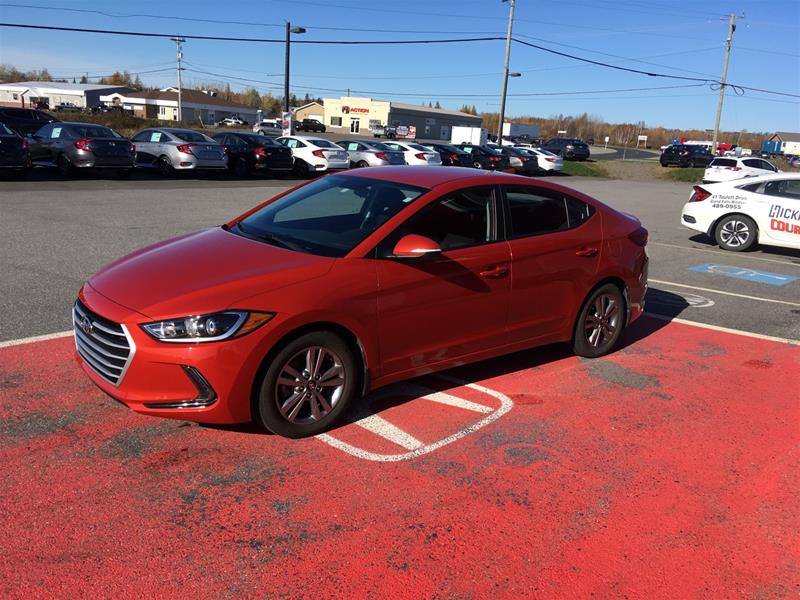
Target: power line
[252, 40]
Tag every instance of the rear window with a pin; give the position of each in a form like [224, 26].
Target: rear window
[419, 147]
[93, 131]
[190, 136]
[723, 162]
[323, 144]
[379, 146]
[261, 140]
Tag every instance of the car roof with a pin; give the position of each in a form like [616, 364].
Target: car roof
[429, 177]
[757, 179]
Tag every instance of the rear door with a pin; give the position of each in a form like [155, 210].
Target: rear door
[555, 243]
[440, 307]
[145, 147]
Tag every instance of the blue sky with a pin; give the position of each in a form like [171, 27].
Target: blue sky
[677, 38]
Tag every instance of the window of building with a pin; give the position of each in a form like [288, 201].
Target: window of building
[16, 96]
[427, 130]
[336, 121]
[430, 121]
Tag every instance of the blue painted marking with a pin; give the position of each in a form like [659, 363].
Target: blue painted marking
[746, 274]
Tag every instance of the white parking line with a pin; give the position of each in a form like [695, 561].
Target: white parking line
[382, 427]
[448, 399]
[694, 287]
[741, 332]
[36, 338]
[722, 253]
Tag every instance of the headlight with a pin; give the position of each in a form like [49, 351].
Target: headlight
[207, 328]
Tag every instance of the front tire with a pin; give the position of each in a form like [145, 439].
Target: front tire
[309, 384]
[600, 322]
[300, 167]
[735, 232]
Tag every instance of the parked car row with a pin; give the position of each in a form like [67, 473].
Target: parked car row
[77, 146]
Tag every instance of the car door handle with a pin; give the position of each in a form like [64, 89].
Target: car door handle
[586, 251]
[495, 272]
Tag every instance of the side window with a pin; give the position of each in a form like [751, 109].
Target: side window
[291, 143]
[768, 166]
[753, 163]
[142, 136]
[458, 220]
[353, 146]
[156, 137]
[533, 213]
[577, 212]
[394, 147]
[784, 188]
[44, 132]
[55, 133]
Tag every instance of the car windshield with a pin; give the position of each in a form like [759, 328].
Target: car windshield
[190, 136]
[323, 144]
[93, 131]
[330, 216]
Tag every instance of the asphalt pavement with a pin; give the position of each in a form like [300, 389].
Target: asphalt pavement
[54, 234]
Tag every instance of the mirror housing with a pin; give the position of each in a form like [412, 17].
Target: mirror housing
[415, 246]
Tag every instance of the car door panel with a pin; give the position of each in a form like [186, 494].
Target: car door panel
[440, 307]
[779, 218]
[551, 271]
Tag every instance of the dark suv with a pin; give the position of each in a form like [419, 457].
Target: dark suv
[309, 125]
[569, 148]
[686, 155]
[25, 120]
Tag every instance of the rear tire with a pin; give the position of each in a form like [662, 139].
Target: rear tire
[308, 385]
[64, 166]
[600, 322]
[736, 233]
[165, 167]
[361, 164]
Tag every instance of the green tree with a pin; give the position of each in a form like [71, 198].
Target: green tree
[437, 105]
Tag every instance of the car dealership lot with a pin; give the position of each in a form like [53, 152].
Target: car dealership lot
[664, 469]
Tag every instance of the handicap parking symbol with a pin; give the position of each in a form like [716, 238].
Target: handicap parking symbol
[765, 277]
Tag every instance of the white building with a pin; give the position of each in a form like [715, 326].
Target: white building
[53, 93]
[196, 105]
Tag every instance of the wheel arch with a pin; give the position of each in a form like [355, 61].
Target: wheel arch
[349, 337]
[712, 229]
[620, 284]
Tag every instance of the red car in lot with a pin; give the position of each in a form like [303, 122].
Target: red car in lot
[350, 282]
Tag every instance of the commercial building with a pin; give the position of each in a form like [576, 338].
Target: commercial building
[196, 105]
[312, 110]
[53, 93]
[357, 115]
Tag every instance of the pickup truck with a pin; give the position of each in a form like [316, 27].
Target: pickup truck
[309, 125]
[386, 131]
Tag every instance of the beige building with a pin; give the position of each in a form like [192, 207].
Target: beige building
[312, 110]
[356, 115]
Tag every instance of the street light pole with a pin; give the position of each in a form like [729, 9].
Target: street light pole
[289, 30]
[505, 74]
[723, 81]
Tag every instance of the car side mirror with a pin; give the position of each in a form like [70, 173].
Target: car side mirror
[415, 246]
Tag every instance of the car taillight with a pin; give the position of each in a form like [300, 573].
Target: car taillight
[380, 155]
[684, 153]
[699, 194]
[550, 159]
[319, 153]
[523, 158]
[454, 158]
[639, 237]
[261, 152]
[133, 148]
[735, 168]
[25, 144]
[494, 158]
[84, 145]
[185, 149]
[420, 155]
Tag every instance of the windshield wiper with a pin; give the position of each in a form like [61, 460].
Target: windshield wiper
[270, 238]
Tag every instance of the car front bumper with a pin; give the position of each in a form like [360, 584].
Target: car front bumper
[209, 382]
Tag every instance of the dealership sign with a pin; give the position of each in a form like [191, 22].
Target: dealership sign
[353, 109]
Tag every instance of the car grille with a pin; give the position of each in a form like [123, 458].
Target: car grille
[104, 345]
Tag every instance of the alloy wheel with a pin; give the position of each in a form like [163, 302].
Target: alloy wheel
[734, 233]
[310, 385]
[602, 320]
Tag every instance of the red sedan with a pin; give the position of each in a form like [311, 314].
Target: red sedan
[292, 311]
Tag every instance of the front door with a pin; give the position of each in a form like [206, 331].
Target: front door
[555, 240]
[453, 304]
[355, 124]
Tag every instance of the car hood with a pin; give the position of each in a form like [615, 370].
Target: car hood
[202, 272]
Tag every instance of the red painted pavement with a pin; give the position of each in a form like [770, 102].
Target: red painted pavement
[667, 470]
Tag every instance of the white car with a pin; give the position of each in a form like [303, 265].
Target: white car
[740, 213]
[728, 168]
[315, 155]
[231, 122]
[547, 160]
[416, 154]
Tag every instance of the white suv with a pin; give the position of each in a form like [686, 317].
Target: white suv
[313, 155]
[728, 168]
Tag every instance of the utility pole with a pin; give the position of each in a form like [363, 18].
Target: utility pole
[723, 81]
[289, 31]
[505, 74]
[179, 57]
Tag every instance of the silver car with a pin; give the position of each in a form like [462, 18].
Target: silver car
[371, 154]
[170, 149]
